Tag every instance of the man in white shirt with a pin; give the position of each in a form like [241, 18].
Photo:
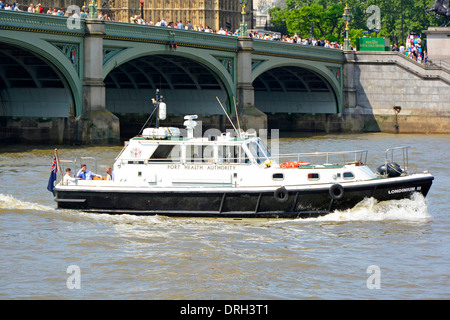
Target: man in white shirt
[67, 177]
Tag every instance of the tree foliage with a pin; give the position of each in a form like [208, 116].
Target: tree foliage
[323, 18]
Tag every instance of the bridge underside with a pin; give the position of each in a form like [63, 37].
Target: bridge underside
[187, 86]
[294, 90]
[30, 86]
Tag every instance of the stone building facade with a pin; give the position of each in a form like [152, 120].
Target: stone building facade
[212, 13]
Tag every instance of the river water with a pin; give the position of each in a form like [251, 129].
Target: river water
[391, 250]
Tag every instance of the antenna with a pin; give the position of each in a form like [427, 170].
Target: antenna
[237, 115]
[158, 106]
[227, 115]
[156, 102]
[148, 119]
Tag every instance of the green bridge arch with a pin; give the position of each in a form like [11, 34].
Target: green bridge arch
[327, 64]
[207, 58]
[47, 50]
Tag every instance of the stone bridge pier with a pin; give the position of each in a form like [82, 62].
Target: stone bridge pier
[250, 116]
[96, 125]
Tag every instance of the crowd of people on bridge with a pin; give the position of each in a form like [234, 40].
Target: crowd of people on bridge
[6, 6]
[251, 33]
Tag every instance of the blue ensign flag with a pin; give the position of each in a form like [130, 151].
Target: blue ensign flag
[52, 179]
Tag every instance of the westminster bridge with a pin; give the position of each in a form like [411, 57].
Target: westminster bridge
[65, 80]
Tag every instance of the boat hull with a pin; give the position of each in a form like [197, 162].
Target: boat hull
[276, 202]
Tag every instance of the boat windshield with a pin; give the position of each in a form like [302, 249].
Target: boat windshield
[259, 151]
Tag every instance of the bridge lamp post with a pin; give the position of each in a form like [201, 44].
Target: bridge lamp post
[243, 3]
[93, 10]
[142, 8]
[347, 16]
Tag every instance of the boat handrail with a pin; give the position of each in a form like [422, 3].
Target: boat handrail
[404, 151]
[77, 161]
[359, 156]
[191, 160]
[404, 148]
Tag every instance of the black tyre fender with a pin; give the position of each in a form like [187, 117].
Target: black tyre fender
[281, 194]
[336, 191]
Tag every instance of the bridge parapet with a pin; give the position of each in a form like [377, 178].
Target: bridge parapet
[34, 22]
[163, 35]
[291, 50]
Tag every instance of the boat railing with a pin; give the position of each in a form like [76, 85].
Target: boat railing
[338, 158]
[392, 155]
[195, 160]
[76, 164]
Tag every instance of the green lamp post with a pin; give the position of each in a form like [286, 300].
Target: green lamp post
[93, 10]
[347, 16]
[243, 3]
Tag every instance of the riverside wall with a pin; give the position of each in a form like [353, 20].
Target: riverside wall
[376, 82]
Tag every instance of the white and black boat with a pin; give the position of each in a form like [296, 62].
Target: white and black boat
[162, 173]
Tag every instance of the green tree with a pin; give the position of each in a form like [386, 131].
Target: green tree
[398, 18]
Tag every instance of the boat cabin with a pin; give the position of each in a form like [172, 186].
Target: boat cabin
[223, 149]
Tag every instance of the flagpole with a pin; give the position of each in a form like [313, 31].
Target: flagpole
[57, 163]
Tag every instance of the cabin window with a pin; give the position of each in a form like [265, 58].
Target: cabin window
[213, 154]
[209, 153]
[242, 156]
[166, 153]
[198, 153]
[278, 176]
[348, 175]
[231, 154]
[313, 176]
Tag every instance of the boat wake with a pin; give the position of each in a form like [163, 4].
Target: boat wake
[124, 219]
[9, 202]
[414, 209]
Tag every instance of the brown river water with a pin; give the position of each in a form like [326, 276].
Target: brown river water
[390, 250]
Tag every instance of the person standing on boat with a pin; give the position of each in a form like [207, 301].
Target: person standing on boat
[109, 175]
[85, 174]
